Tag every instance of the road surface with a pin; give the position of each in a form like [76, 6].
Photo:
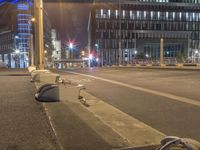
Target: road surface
[167, 100]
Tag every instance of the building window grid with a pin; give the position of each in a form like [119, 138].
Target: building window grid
[149, 15]
[188, 21]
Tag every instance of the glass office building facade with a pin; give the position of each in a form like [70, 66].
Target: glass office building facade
[125, 29]
[24, 31]
[16, 18]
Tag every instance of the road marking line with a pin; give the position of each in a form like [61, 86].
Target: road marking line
[167, 95]
[37, 85]
[52, 126]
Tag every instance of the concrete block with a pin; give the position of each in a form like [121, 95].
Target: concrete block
[46, 77]
[39, 72]
[31, 68]
[58, 92]
[179, 66]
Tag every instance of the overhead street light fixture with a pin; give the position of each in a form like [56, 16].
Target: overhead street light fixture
[17, 51]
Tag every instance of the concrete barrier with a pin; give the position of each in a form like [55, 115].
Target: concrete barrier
[46, 77]
[53, 92]
[70, 92]
[51, 88]
[179, 66]
[31, 68]
[39, 72]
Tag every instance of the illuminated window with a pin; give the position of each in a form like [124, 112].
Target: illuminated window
[145, 14]
[116, 13]
[158, 15]
[131, 14]
[167, 15]
[123, 13]
[109, 13]
[101, 13]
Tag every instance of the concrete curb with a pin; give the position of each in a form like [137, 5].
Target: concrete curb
[50, 121]
[134, 131]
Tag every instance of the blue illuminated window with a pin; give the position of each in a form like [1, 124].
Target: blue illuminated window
[23, 7]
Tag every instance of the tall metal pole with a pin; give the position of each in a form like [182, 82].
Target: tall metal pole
[89, 41]
[161, 51]
[38, 11]
[32, 51]
[120, 40]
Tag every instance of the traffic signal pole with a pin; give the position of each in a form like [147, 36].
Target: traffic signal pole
[161, 51]
[39, 41]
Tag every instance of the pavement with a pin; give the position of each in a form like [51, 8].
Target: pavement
[30, 125]
[149, 66]
[124, 108]
[23, 121]
[166, 100]
[97, 125]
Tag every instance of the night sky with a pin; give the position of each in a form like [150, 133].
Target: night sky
[70, 20]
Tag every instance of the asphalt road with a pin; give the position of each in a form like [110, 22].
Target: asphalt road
[160, 111]
[26, 124]
[23, 121]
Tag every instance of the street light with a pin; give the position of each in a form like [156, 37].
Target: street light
[17, 51]
[90, 56]
[71, 46]
[33, 19]
[97, 49]
[135, 52]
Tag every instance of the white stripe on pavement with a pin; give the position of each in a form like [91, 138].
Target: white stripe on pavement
[167, 95]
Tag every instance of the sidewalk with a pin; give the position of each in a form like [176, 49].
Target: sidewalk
[195, 68]
[23, 122]
[30, 125]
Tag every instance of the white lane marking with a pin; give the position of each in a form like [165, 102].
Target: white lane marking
[52, 126]
[86, 80]
[167, 95]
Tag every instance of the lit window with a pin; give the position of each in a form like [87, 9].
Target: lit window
[173, 15]
[131, 14]
[193, 16]
[101, 13]
[137, 14]
[187, 16]
[167, 15]
[116, 13]
[151, 14]
[123, 13]
[109, 13]
[145, 14]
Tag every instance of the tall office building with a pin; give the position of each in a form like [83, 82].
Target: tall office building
[24, 31]
[121, 30]
[16, 24]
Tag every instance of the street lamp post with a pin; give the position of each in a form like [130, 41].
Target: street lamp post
[120, 38]
[97, 49]
[161, 51]
[38, 13]
[31, 52]
[16, 52]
